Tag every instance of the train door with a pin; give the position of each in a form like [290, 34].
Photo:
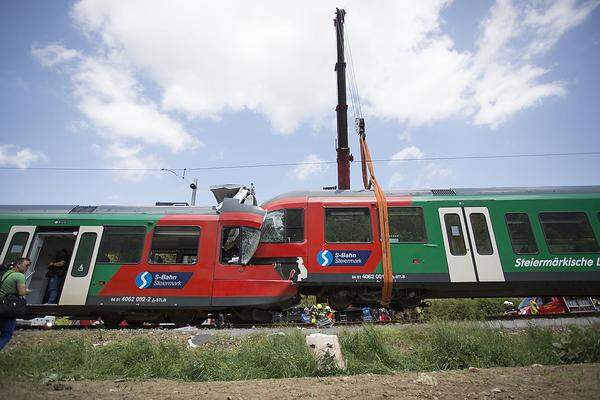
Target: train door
[47, 244]
[17, 243]
[470, 245]
[81, 266]
[485, 254]
[458, 249]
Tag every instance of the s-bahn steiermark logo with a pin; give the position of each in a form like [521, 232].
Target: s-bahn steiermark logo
[162, 280]
[143, 280]
[325, 258]
[343, 258]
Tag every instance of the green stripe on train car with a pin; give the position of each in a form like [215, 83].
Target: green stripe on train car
[103, 273]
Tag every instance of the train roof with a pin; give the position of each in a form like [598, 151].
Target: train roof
[228, 205]
[106, 209]
[510, 191]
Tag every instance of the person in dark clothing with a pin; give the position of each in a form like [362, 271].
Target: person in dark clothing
[56, 275]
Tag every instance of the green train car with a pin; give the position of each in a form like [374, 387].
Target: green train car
[444, 243]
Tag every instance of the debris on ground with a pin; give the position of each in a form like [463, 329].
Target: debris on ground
[426, 380]
[199, 340]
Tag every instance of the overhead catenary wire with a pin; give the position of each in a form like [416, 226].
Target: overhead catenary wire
[294, 164]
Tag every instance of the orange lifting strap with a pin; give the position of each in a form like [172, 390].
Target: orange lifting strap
[369, 182]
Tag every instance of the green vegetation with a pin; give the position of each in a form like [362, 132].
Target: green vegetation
[464, 309]
[380, 350]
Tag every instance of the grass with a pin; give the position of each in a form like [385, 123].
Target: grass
[379, 350]
[464, 309]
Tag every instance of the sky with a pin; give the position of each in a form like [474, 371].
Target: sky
[196, 84]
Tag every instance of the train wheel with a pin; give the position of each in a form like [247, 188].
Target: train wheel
[251, 315]
[111, 321]
[183, 318]
[135, 324]
[262, 316]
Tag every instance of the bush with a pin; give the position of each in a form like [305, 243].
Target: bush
[578, 346]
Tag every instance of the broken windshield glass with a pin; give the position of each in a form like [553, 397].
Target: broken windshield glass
[250, 241]
[273, 230]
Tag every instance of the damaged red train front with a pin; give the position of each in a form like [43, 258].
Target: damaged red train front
[239, 282]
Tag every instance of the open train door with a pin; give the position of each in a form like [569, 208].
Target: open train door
[81, 266]
[17, 243]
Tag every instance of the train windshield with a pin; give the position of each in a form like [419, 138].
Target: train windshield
[250, 241]
[239, 244]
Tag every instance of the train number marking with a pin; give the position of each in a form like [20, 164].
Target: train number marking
[138, 299]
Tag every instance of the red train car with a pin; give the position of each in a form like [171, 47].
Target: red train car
[145, 263]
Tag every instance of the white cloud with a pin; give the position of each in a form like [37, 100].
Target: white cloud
[506, 79]
[551, 22]
[410, 152]
[405, 136]
[420, 175]
[310, 166]
[503, 91]
[54, 54]
[78, 126]
[396, 180]
[21, 157]
[120, 155]
[112, 100]
[275, 58]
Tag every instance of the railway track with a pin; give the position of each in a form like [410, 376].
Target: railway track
[545, 316]
[502, 320]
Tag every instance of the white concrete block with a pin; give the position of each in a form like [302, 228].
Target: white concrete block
[322, 344]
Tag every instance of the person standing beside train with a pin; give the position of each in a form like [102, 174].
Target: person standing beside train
[12, 283]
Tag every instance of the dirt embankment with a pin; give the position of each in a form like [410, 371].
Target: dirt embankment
[580, 381]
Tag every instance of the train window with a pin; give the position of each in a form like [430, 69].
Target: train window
[238, 244]
[455, 235]
[283, 226]
[175, 245]
[521, 234]
[407, 225]
[16, 247]
[568, 232]
[348, 225]
[83, 256]
[121, 244]
[483, 243]
[3, 237]
[294, 225]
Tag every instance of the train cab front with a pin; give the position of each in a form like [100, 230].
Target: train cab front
[238, 280]
[283, 240]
